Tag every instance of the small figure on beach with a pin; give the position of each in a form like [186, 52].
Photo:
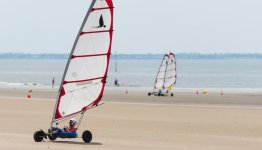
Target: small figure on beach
[53, 82]
[116, 82]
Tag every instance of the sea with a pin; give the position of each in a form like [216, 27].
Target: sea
[242, 74]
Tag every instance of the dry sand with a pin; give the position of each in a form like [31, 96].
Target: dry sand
[136, 121]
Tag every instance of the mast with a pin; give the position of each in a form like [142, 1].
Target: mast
[165, 74]
[159, 71]
[70, 56]
[175, 67]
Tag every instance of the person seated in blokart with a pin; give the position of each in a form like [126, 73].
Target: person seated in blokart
[67, 131]
[159, 92]
[162, 92]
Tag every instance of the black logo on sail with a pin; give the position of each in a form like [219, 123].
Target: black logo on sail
[101, 22]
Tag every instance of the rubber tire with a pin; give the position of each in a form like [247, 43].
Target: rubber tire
[172, 94]
[87, 136]
[39, 136]
[149, 94]
[53, 137]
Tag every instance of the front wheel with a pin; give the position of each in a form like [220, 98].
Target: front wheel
[39, 136]
[51, 137]
[172, 94]
[87, 136]
[149, 94]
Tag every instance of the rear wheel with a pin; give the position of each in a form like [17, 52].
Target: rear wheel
[87, 136]
[149, 94]
[39, 136]
[172, 94]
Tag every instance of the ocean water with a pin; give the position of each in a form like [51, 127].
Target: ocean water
[246, 74]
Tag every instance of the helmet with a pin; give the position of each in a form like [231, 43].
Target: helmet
[72, 121]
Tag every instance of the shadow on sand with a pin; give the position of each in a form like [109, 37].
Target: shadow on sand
[77, 143]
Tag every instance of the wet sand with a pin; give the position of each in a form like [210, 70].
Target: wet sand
[136, 121]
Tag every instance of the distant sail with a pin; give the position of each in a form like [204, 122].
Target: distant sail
[86, 71]
[167, 74]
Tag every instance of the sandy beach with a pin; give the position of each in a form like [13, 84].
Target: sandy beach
[59, 58]
[135, 121]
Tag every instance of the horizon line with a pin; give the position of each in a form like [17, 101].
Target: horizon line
[214, 53]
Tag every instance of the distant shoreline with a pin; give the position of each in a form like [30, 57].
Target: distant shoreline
[189, 56]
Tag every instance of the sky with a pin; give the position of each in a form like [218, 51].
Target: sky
[141, 26]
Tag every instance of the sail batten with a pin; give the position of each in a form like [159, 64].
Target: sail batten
[86, 71]
[83, 33]
[168, 70]
[95, 9]
[66, 82]
[77, 56]
[168, 77]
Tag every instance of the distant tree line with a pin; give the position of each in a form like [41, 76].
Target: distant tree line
[192, 56]
[32, 56]
[138, 56]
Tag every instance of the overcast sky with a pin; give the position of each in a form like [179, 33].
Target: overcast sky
[141, 26]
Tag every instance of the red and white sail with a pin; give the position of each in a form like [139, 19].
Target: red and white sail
[167, 74]
[85, 75]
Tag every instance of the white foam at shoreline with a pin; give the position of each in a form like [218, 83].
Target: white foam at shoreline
[10, 85]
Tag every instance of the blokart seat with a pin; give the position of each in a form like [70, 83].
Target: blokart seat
[67, 134]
